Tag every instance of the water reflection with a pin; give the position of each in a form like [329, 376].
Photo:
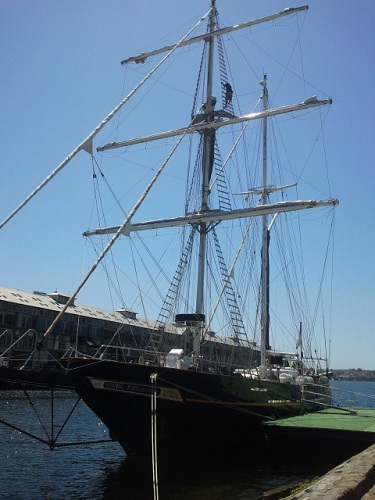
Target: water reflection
[226, 478]
[30, 470]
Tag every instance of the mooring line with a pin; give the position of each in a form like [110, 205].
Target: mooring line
[153, 377]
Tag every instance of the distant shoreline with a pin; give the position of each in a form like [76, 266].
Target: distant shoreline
[357, 374]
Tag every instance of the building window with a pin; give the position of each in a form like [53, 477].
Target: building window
[27, 322]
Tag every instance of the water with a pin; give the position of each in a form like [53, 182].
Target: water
[29, 469]
[353, 394]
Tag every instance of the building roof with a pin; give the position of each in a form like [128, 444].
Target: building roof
[55, 302]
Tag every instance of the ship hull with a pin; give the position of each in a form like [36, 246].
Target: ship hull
[193, 410]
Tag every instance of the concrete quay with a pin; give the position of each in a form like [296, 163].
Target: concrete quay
[354, 479]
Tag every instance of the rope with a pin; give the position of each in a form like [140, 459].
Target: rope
[109, 245]
[36, 413]
[153, 377]
[86, 144]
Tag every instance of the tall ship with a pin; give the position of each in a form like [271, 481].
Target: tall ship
[212, 249]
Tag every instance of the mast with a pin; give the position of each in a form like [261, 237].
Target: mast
[265, 280]
[207, 166]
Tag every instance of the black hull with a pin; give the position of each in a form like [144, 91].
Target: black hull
[200, 412]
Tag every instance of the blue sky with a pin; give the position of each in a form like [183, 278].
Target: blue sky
[61, 74]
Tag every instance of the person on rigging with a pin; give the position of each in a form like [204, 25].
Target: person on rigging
[228, 94]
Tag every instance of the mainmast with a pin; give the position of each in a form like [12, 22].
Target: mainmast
[265, 280]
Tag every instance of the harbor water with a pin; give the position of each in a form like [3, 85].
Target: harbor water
[31, 470]
[351, 393]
